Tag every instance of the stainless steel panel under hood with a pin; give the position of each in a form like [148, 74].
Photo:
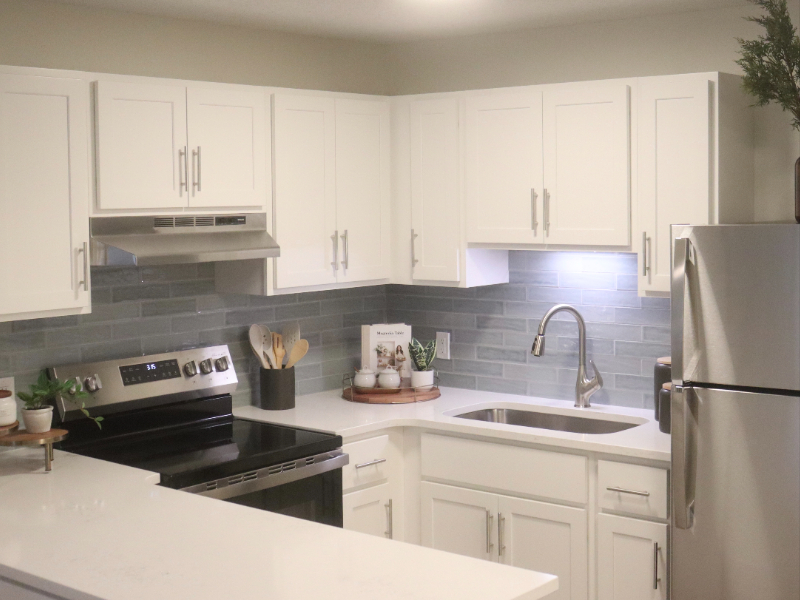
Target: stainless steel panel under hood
[121, 241]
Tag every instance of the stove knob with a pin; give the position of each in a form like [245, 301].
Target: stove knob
[190, 369]
[93, 383]
[221, 364]
[205, 366]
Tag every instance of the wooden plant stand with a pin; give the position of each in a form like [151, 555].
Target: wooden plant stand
[46, 439]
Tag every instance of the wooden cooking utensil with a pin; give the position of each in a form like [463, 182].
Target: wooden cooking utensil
[298, 351]
[257, 344]
[278, 349]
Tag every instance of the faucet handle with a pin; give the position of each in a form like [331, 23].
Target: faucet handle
[598, 379]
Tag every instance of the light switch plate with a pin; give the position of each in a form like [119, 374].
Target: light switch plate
[443, 345]
[7, 383]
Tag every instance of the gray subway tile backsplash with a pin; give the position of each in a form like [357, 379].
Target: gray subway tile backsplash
[159, 309]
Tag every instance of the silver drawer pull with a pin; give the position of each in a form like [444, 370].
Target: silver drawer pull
[624, 491]
[377, 461]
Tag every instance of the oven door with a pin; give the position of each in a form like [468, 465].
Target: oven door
[309, 488]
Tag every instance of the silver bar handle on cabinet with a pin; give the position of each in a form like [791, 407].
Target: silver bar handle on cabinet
[683, 461]
[624, 491]
[389, 524]
[501, 525]
[656, 578]
[196, 170]
[414, 260]
[183, 172]
[377, 461]
[85, 281]
[345, 251]
[534, 222]
[546, 204]
[489, 520]
[199, 171]
[645, 254]
[335, 240]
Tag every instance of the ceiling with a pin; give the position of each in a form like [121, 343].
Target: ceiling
[404, 20]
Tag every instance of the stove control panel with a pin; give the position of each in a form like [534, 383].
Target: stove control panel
[123, 384]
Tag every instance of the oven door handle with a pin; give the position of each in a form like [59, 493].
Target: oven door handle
[269, 477]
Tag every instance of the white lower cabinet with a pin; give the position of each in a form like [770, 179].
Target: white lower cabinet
[631, 559]
[370, 511]
[458, 520]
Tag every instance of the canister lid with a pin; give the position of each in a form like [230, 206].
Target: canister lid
[665, 360]
[667, 386]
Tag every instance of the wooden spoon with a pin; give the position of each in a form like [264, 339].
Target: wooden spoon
[278, 349]
[298, 351]
[257, 344]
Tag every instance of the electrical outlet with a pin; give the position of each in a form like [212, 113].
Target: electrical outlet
[443, 345]
[7, 383]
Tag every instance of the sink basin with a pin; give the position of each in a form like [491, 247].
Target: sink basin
[542, 420]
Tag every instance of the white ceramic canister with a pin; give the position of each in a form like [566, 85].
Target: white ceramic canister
[365, 378]
[8, 408]
[389, 378]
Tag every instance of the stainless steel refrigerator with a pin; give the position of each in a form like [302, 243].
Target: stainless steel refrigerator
[735, 478]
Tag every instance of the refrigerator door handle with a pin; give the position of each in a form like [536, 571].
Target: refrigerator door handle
[683, 402]
[681, 253]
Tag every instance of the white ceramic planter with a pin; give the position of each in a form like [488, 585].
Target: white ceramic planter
[39, 420]
[421, 379]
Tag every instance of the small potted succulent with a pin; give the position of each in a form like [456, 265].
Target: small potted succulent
[37, 414]
[422, 357]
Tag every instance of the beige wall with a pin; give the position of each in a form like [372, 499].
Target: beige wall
[37, 33]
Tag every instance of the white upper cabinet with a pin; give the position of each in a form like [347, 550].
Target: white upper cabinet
[141, 146]
[44, 196]
[305, 191]
[363, 189]
[504, 168]
[166, 146]
[435, 190]
[587, 165]
[227, 147]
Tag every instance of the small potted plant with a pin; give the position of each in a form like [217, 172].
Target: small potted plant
[37, 414]
[422, 357]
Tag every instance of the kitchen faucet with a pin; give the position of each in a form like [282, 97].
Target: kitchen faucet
[584, 387]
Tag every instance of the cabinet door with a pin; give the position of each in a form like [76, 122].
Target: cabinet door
[305, 191]
[362, 189]
[673, 165]
[587, 165]
[369, 511]
[631, 559]
[141, 146]
[435, 190]
[44, 194]
[458, 520]
[504, 168]
[547, 538]
[227, 147]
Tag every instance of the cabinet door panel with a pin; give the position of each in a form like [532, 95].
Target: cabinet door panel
[305, 191]
[587, 165]
[458, 520]
[547, 538]
[674, 159]
[44, 193]
[435, 190]
[362, 188]
[504, 168]
[141, 131]
[627, 559]
[369, 511]
[227, 146]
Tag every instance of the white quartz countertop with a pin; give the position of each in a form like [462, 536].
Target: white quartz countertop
[327, 411]
[91, 529]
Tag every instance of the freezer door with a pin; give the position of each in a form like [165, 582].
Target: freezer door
[740, 474]
[736, 314]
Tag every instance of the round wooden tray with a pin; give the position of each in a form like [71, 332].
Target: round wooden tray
[402, 395]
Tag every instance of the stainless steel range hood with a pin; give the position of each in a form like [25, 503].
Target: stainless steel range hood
[161, 240]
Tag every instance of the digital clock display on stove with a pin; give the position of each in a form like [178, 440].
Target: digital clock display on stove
[152, 371]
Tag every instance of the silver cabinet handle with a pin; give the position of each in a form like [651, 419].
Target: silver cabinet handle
[414, 260]
[196, 164]
[85, 282]
[546, 202]
[501, 525]
[345, 251]
[656, 578]
[377, 461]
[335, 240]
[624, 491]
[489, 520]
[534, 223]
[645, 254]
[389, 525]
[183, 172]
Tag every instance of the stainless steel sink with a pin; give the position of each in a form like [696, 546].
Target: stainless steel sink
[542, 420]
